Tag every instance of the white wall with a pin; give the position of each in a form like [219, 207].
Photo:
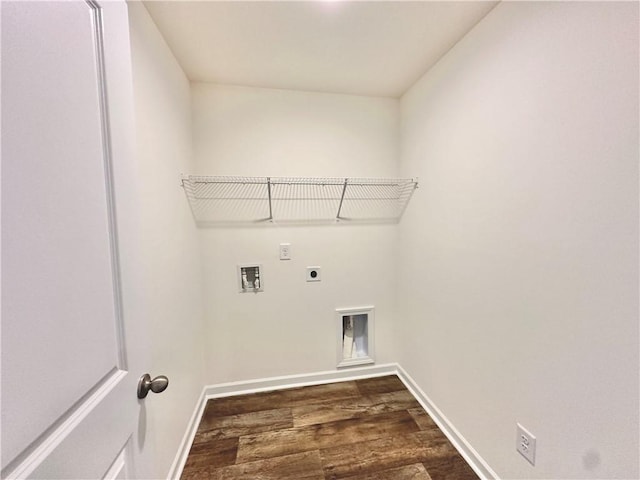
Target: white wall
[290, 327]
[262, 132]
[171, 261]
[519, 257]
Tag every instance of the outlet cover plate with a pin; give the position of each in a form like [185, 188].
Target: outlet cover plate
[526, 444]
[285, 251]
[314, 274]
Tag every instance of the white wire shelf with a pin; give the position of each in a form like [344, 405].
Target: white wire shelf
[290, 200]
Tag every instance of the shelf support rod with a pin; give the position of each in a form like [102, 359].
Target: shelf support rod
[344, 190]
[269, 192]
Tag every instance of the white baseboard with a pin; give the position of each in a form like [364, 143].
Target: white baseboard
[292, 381]
[187, 439]
[482, 468]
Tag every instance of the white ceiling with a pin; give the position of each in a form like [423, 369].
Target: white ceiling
[364, 48]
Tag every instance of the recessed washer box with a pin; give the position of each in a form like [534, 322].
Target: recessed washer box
[313, 274]
[250, 278]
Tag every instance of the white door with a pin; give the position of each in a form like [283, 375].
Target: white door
[69, 319]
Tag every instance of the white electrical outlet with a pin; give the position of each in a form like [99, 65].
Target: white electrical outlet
[313, 274]
[526, 444]
[285, 251]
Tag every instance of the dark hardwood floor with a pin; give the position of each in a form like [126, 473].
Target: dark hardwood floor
[371, 429]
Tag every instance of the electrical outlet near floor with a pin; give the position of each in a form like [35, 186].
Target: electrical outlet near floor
[526, 444]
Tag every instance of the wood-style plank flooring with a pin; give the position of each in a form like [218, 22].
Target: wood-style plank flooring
[371, 429]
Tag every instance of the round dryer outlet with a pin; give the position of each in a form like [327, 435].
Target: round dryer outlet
[313, 274]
